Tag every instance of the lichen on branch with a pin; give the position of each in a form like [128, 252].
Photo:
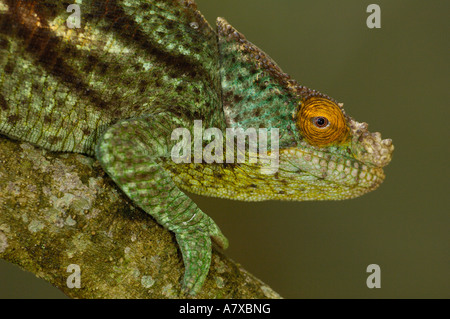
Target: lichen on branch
[61, 209]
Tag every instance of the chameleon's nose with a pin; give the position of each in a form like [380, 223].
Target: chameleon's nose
[369, 147]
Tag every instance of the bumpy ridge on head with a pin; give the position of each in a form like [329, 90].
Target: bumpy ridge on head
[255, 91]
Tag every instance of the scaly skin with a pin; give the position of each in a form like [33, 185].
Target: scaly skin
[136, 70]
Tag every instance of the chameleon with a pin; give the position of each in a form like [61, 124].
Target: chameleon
[116, 87]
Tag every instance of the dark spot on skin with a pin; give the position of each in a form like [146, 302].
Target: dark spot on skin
[143, 84]
[169, 24]
[9, 67]
[144, 176]
[54, 139]
[237, 118]
[47, 119]
[253, 185]
[67, 52]
[178, 36]
[3, 103]
[253, 71]
[115, 99]
[228, 95]
[88, 16]
[270, 98]
[238, 98]
[87, 92]
[102, 68]
[13, 119]
[146, 6]
[197, 49]
[92, 61]
[159, 34]
[4, 44]
[137, 67]
[116, 68]
[173, 75]
[117, 113]
[86, 131]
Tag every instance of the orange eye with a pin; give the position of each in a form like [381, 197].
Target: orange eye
[322, 122]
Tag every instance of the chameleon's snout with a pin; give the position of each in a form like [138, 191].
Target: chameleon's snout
[369, 147]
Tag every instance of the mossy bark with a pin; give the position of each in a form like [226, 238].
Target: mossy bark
[61, 209]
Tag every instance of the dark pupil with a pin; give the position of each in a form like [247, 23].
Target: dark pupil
[321, 121]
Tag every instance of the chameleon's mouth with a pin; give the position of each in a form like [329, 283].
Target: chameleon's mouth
[343, 176]
[368, 147]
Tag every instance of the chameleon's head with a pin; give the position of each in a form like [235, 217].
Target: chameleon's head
[323, 152]
[337, 150]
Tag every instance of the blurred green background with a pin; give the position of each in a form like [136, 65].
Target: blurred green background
[395, 78]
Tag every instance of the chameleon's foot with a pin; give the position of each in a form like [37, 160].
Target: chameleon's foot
[196, 251]
[195, 246]
[131, 152]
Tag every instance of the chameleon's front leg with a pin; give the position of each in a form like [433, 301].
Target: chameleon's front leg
[131, 152]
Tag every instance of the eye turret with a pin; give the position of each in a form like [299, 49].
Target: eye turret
[322, 122]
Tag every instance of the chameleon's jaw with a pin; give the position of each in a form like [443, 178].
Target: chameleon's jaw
[347, 175]
[341, 176]
[368, 147]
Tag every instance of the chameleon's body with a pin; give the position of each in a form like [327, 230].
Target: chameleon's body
[118, 86]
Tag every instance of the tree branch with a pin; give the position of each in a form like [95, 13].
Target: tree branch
[58, 209]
